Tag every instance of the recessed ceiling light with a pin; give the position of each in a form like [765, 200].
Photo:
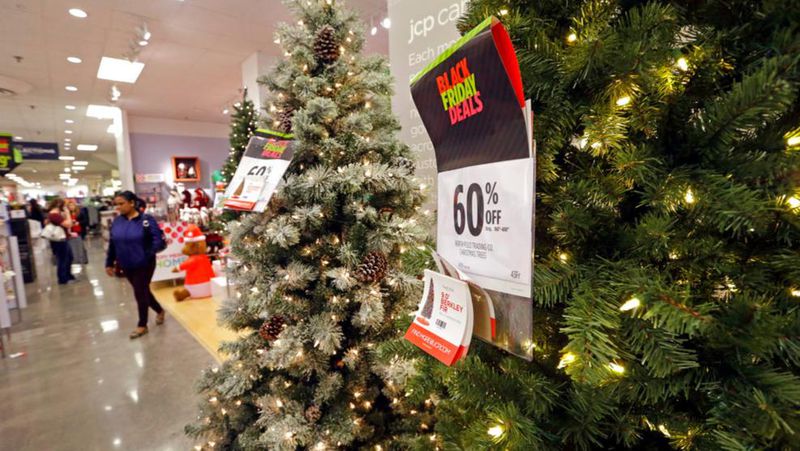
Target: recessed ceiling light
[71, 88]
[69, 132]
[66, 140]
[101, 111]
[87, 147]
[386, 23]
[18, 138]
[225, 111]
[373, 31]
[80, 163]
[67, 170]
[66, 158]
[74, 60]
[77, 12]
[63, 176]
[69, 121]
[115, 69]
[78, 168]
[70, 107]
[143, 42]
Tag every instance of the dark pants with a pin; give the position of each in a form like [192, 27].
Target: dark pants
[63, 260]
[140, 280]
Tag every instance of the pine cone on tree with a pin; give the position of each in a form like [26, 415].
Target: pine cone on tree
[326, 49]
[313, 414]
[407, 164]
[373, 267]
[284, 119]
[272, 328]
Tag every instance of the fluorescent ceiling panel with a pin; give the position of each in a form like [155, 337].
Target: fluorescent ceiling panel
[87, 147]
[101, 111]
[120, 70]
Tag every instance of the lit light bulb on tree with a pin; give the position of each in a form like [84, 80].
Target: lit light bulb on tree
[682, 64]
[623, 101]
[566, 359]
[630, 304]
[617, 368]
[689, 197]
[496, 431]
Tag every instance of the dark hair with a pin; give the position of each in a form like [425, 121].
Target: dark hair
[128, 195]
[138, 204]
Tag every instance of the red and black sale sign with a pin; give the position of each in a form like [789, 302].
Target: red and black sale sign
[471, 101]
[265, 160]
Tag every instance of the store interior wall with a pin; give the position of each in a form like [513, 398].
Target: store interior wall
[152, 154]
[154, 141]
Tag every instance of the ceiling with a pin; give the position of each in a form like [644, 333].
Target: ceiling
[192, 65]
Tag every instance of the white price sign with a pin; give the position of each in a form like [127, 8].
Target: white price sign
[484, 227]
[261, 168]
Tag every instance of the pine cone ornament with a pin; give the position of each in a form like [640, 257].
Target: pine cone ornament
[313, 414]
[271, 329]
[407, 163]
[326, 50]
[373, 267]
[284, 119]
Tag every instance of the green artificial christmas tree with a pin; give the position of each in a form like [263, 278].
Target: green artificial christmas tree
[319, 274]
[244, 122]
[667, 262]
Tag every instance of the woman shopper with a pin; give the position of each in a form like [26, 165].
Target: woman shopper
[35, 211]
[57, 215]
[76, 241]
[135, 239]
[80, 218]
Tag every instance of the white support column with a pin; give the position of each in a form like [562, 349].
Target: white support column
[253, 67]
[123, 141]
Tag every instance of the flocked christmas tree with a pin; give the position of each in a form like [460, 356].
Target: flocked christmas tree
[667, 280]
[320, 277]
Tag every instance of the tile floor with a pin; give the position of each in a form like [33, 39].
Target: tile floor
[82, 384]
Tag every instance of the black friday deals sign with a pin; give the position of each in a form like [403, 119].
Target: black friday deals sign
[265, 160]
[471, 103]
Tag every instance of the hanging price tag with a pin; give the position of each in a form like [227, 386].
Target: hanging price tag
[471, 102]
[263, 164]
[443, 322]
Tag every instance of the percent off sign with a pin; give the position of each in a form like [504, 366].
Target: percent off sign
[475, 213]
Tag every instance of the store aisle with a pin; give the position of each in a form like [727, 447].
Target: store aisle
[83, 385]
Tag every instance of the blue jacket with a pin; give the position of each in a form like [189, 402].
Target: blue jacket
[127, 244]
